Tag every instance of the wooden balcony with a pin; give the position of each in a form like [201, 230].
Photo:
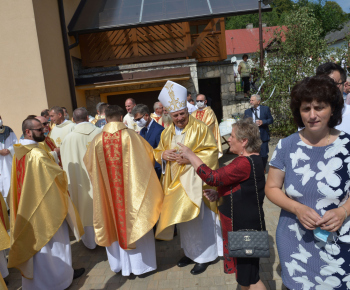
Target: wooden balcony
[152, 43]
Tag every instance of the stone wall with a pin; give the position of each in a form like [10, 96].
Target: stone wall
[231, 103]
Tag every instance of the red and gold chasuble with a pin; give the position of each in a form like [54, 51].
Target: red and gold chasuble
[199, 115]
[127, 195]
[50, 145]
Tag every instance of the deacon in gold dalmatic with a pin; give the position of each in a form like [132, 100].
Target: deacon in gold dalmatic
[207, 116]
[39, 203]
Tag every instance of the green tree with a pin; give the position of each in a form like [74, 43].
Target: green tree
[295, 58]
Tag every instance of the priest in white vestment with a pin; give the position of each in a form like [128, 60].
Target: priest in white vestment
[128, 119]
[40, 243]
[127, 195]
[7, 140]
[196, 219]
[73, 149]
[63, 127]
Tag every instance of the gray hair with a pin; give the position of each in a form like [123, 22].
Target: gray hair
[98, 106]
[156, 105]
[140, 109]
[258, 98]
[80, 115]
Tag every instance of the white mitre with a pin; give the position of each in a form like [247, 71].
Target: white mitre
[173, 97]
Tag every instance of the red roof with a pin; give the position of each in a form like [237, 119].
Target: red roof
[239, 41]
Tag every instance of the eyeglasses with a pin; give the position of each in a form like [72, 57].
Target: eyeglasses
[40, 130]
[46, 123]
[138, 119]
[341, 83]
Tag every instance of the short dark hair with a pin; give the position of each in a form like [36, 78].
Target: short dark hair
[80, 115]
[31, 116]
[245, 55]
[321, 89]
[44, 113]
[57, 110]
[114, 112]
[189, 93]
[140, 108]
[28, 124]
[329, 67]
[103, 108]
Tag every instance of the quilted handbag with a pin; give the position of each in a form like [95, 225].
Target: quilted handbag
[248, 243]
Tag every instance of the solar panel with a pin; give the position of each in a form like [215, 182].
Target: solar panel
[99, 15]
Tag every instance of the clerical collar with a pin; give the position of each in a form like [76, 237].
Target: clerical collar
[27, 142]
[178, 130]
[157, 114]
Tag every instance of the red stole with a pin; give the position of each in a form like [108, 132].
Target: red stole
[112, 148]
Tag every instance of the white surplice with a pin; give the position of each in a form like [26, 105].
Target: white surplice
[201, 238]
[137, 261]
[3, 264]
[52, 264]
[7, 140]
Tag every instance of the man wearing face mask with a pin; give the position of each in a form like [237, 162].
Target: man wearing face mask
[7, 140]
[207, 115]
[151, 130]
[102, 121]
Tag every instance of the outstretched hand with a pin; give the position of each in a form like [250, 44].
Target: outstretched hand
[185, 152]
[211, 194]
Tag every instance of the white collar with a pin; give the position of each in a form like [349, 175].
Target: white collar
[149, 125]
[27, 142]
[157, 114]
[178, 130]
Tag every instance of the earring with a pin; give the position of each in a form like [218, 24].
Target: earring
[241, 153]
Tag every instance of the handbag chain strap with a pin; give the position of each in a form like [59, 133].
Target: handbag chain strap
[257, 196]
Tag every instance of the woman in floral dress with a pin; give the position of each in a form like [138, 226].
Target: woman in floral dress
[314, 167]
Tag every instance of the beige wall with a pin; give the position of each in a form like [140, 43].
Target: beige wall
[22, 87]
[52, 54]
[33, 73]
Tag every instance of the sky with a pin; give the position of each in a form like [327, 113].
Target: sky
[345, 4]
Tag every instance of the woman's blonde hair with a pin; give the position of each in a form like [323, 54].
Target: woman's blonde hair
[246, 129]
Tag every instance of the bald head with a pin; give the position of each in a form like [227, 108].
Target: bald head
[80, 115]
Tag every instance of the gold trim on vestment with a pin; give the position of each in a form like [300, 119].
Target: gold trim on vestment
[142, 190]
[177, 205]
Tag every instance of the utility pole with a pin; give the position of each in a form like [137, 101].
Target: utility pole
[261, 38]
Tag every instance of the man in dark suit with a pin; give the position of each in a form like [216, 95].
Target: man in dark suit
[151, 130]
[262, 117]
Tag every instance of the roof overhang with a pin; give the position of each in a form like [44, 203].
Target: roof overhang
[104, 15]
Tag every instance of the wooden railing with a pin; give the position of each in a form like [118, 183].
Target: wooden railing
[152, 43]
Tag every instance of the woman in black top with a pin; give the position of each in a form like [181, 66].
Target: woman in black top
[237, 180]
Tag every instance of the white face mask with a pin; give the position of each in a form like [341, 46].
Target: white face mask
[0, 122]
[141, 123]
[200, 104]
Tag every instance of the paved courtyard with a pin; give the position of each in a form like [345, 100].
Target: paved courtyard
[168, 276]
